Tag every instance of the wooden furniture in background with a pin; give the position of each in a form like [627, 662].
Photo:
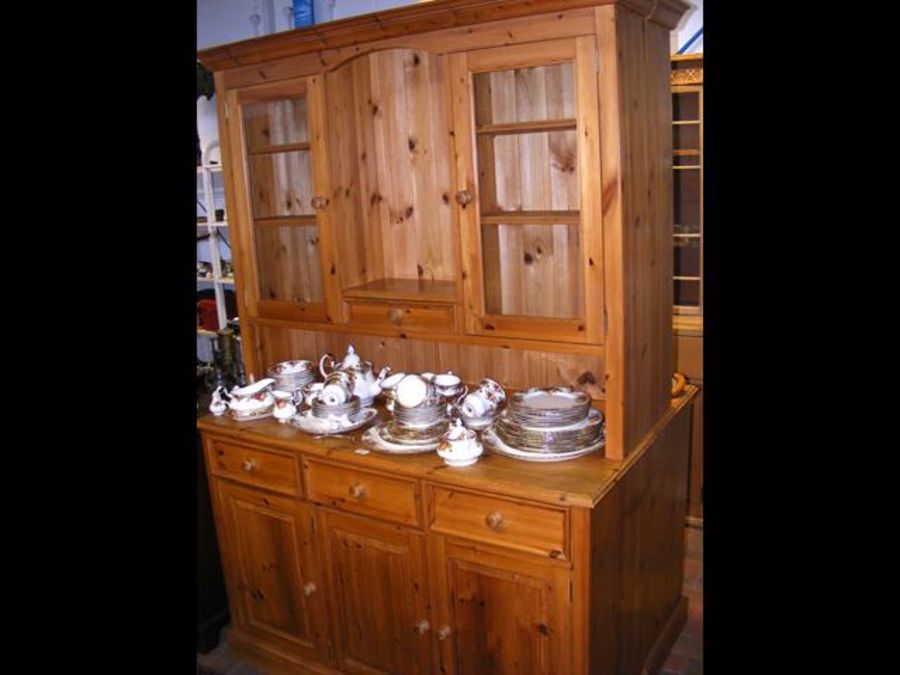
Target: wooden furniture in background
[687, 121]
[473, 185]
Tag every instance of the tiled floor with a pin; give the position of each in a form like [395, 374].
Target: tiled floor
[686, 657]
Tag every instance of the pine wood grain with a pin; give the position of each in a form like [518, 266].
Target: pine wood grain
[450, 15]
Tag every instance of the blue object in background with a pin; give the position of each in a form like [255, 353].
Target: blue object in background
[303, 13]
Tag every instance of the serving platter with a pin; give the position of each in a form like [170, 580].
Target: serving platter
[332, 425]
[374, 439]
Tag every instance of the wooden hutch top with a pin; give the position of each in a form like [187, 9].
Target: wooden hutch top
[476, 185]
[410, 20]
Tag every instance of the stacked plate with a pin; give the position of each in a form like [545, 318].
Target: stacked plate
[555, 407]
[426, 414]
[413, 429]
[547, 425]
[349, 408]
[292, 375]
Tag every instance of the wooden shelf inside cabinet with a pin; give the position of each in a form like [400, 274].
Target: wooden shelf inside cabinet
[285, 221]
[405, 290]
[530, 218]
[274, 149]
[533, 127]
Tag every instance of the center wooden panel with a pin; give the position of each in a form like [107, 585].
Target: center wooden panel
[509, 616]
[391, 168]
[380, 593]
[516, 368]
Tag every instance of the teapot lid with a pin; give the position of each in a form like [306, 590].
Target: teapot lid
[351, 359]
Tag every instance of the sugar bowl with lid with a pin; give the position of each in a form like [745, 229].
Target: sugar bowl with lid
[459, 446]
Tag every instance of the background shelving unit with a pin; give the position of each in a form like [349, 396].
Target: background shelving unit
[213, 241]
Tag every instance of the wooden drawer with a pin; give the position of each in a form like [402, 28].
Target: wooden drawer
[504, 522]
[403, 316]
[357, 491]
[253, 466]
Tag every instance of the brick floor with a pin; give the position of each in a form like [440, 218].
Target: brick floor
[686, 657]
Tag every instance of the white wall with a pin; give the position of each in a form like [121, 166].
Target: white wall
[690, 23]
[222, 21]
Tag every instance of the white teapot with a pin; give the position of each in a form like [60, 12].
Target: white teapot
[366, 385]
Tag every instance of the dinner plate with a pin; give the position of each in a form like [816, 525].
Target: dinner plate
[496, 445]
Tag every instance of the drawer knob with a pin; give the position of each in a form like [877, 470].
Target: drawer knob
[309, 588]
[494, 520]
[357, 491]
[318, 203]
[395, 316]
[463, 198]
[249, 465]
[443, 633]
[422, 627]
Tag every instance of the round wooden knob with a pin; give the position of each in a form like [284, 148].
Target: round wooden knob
[395, 316]
[309, 588]
[318, 203]
[494, 520]
[678, 384]
[249, 465]
[443, 633]
[423, 626]
[357, 491]
[463, 197]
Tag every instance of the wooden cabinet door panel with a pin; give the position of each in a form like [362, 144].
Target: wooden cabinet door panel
[506, 615]
[380, 596]
[275, 570]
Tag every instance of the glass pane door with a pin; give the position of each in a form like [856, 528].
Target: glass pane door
[280, 196]
[527, 163]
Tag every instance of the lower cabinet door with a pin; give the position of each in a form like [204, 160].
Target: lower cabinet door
[500, 614]
[277, 592]
[382, 617]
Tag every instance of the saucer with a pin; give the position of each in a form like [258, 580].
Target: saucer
[330, 426]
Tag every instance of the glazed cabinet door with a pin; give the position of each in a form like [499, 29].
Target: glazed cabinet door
[277, 135]
[276, 589]
[382, 616]
[527, 137]
[503, 614]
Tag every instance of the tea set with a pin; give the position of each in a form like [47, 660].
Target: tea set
[429, 412]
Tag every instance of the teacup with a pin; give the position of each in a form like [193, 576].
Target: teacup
[412, 390]
[284, 406]
[311, 391]
[493, 387]
[335, 393]
[447, 384]
[478, 403]
[389, 389]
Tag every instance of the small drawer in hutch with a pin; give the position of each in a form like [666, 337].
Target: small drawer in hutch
[403, 316]
[357, 491]
[253, 466]
[504, 522]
